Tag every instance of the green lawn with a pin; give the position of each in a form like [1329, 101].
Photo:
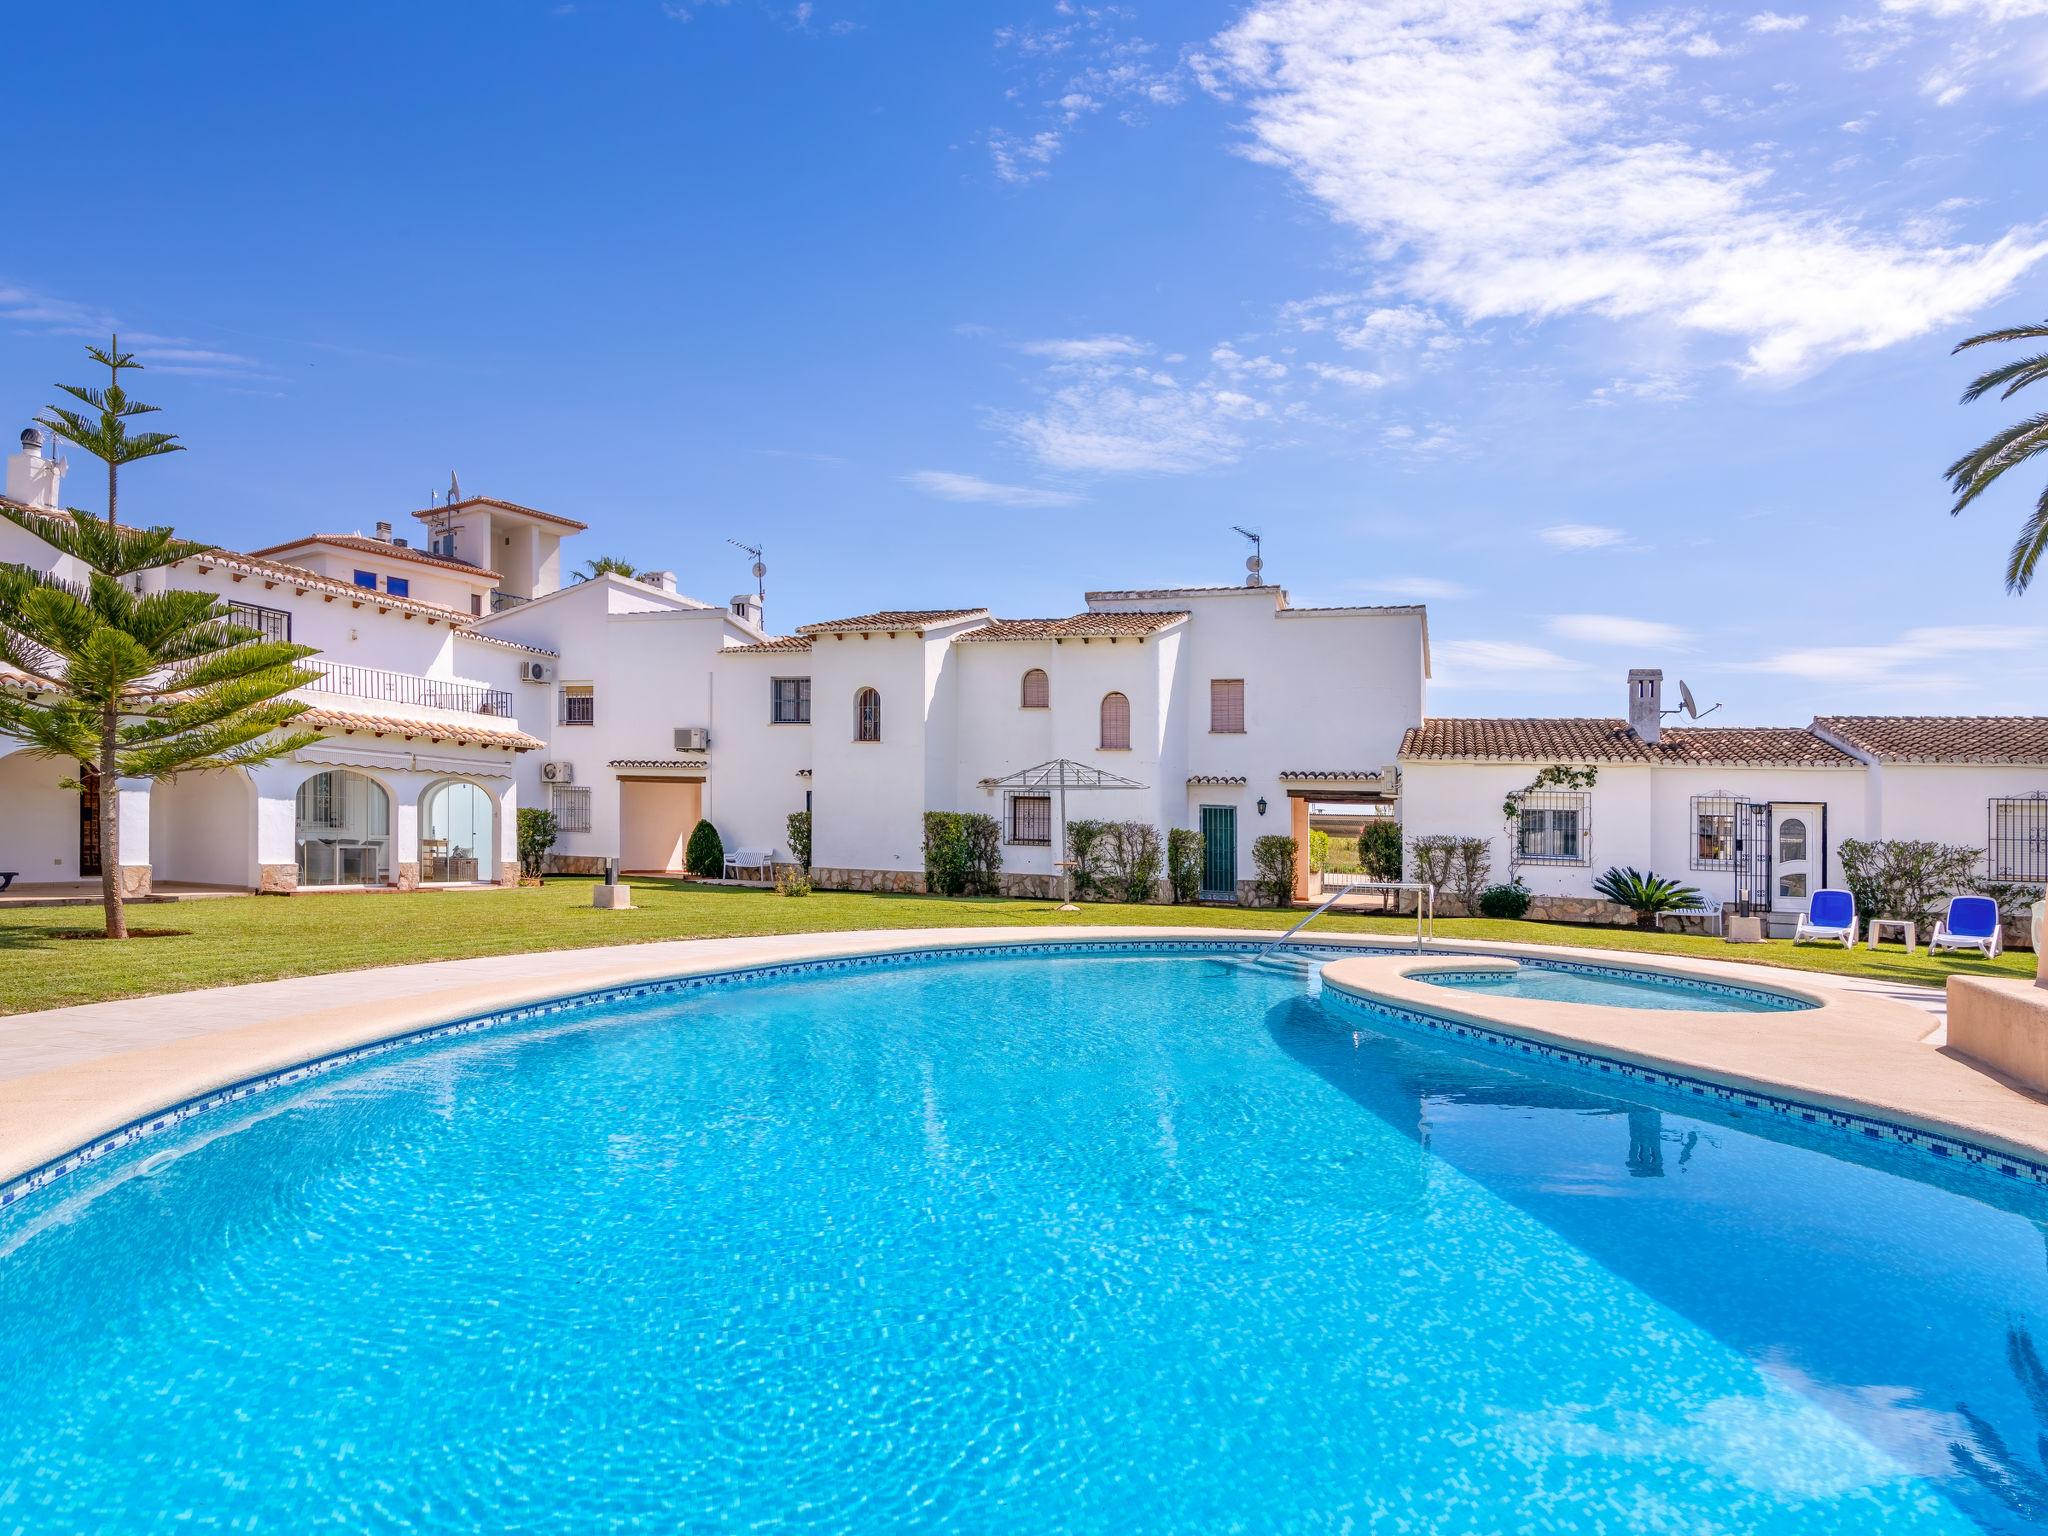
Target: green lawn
[260, 938]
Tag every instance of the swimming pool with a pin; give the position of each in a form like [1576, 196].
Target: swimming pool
[1081, 1244]
[1612, 987]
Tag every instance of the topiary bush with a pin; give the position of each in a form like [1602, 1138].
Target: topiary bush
[963, 853]
[983, 836]
[800, 838]
[1273, 858]
[1184, 863]
[1508, 901]
[704, 854]
[537, 832]
[1084, 853]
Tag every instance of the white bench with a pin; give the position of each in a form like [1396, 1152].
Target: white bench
[738, 859]
[1708, 907]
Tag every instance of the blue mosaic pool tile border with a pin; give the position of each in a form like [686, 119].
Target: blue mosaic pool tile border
[1949, 1150]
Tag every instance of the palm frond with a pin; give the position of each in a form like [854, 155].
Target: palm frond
[2015, 376]
[2009, 333]
[1975, 472]
[2026, 550]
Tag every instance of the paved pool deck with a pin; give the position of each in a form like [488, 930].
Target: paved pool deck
[71, 1075]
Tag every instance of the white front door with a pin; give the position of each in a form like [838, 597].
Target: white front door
[1795, 856]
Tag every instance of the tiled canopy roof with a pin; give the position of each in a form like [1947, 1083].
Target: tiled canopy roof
[892, 618]
[792, 643]
[509, 506]
[361, 545]
[415, 730]
[510, 645]
[1131, 594]
[1082, 626]
[1942, 738]
[1217, 778]
[1612, 741]
[1325, 775]
[658, 762]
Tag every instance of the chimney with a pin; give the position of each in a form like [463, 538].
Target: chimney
[663, 580]
[383, 534]
[747, 605]
[1646, 701]
[33, 480]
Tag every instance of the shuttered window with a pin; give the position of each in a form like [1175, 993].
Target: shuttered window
[1116, 723]
[1226, 705]
[1037, 690]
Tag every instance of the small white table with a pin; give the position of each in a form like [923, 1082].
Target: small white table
[1903, 924]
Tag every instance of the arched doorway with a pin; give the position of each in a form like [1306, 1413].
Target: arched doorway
[458, 823]
[343, 830]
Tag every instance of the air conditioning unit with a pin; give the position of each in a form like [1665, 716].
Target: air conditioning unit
[536, 671]
[693, 738]
[558, 773]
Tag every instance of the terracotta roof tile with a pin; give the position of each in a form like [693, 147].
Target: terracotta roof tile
[309, 581]
[1612, 741]
[1217, 778]
[356, 542]
[430, 513]
[892, 618]
[658, 762]
[1081, 626]
[1328, 775]
[789, 644]
[323, 719]
[1942, 738]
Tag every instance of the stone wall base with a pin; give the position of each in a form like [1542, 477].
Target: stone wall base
[408, 876]
[574, 864]
[894, 882]
[134, 880]
[1030, 887]
[277, 879]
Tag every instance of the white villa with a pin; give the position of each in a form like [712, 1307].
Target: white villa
[464, 676]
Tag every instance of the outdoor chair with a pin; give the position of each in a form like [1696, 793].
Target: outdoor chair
[1708, 907]
[7, 878]
[762, 859]
[1971, 922]
[1830, 917]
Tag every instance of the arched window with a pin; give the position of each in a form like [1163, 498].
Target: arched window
[1116, 722]
[344, 830]
[456, 823]
[1791, 840]
[1037, 690]
[867, 715]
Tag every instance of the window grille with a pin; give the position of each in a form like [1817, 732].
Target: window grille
[2016, 841]
[572, 807]
[272, 624]
[1554, 828]
[1031, 820]
[1713, 831]
[789, 701]
[1226, 706]
[867, 715]
[1116, 723]
[579, 706]
[1037, 690]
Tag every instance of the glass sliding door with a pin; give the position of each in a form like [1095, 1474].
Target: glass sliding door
[344, 830]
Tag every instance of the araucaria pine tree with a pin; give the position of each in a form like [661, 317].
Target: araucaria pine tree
[102, 429]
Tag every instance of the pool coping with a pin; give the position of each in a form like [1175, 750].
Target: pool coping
[114, 1088]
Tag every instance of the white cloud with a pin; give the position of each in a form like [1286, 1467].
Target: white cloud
[1514, 158]
[1502, 663]
[1084, 349]
[1897, 661]
[1356, 378]
[1997, 12]
[1023, 157]
[1774, 21]
[950, 486]
[1656, 388]
[1069, 70]
[1581, 536]
[1613, 629]
[1420, 588]
[1238, 366]
[1103, 424]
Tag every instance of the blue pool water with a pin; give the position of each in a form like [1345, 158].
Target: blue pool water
[1087, 1244]
[1614, 989]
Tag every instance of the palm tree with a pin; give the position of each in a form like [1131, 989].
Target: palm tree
[606, 565]
[137, 686]
[107, 438]
[1971, 475]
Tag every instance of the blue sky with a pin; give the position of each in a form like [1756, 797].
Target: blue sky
[1618, 335]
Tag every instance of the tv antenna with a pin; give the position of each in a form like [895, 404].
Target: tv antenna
[1688, 705]
[1253, 563]
[760, 570]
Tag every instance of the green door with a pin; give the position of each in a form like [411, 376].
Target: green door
[1219, 853]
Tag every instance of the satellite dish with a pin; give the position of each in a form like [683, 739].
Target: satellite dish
[1685, 700]
[760, 570]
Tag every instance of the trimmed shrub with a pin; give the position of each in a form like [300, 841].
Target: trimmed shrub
[1318, 850]
[790, 880]
[1379, 850]
[537, 833]
[1131, 860]
[704, 854]
[1184, 863]
[1084, 853]
[1902, 877]
[1453, 865]
[963, 853]
[1273, 858]
[1508, 901]
[800, 838]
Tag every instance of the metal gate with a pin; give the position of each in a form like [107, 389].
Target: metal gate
[1219, 853]
[1752, 855]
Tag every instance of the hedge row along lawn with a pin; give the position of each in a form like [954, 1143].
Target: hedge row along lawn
[259, 938]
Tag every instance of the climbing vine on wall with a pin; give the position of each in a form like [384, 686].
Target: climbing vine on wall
[1556, 776]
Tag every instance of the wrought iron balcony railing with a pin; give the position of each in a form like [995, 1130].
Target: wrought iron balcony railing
[410, 688]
